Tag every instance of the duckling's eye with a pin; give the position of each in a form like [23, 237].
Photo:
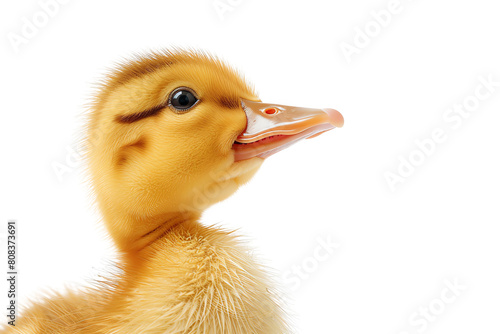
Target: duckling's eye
[182, 99]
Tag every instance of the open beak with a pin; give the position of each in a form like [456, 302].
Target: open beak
[273, 127]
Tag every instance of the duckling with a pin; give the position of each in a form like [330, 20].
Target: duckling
[170, 133]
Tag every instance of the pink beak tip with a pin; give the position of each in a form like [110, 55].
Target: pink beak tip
[336, 118]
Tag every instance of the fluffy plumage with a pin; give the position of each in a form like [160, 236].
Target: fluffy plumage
[154, 171]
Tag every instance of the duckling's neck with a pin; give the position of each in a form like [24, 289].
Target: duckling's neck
[134, 234]
[159, 229]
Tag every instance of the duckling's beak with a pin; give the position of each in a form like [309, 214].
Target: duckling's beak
[273, 127]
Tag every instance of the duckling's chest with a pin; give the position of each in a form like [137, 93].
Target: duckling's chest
[200, 285]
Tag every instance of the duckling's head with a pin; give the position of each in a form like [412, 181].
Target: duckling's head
[172, 133]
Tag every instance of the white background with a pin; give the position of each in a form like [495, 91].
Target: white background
[397, 246]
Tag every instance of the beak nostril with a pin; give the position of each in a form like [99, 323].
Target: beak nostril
[271, 111]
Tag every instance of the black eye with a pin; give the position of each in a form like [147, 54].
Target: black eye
[182, 99]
